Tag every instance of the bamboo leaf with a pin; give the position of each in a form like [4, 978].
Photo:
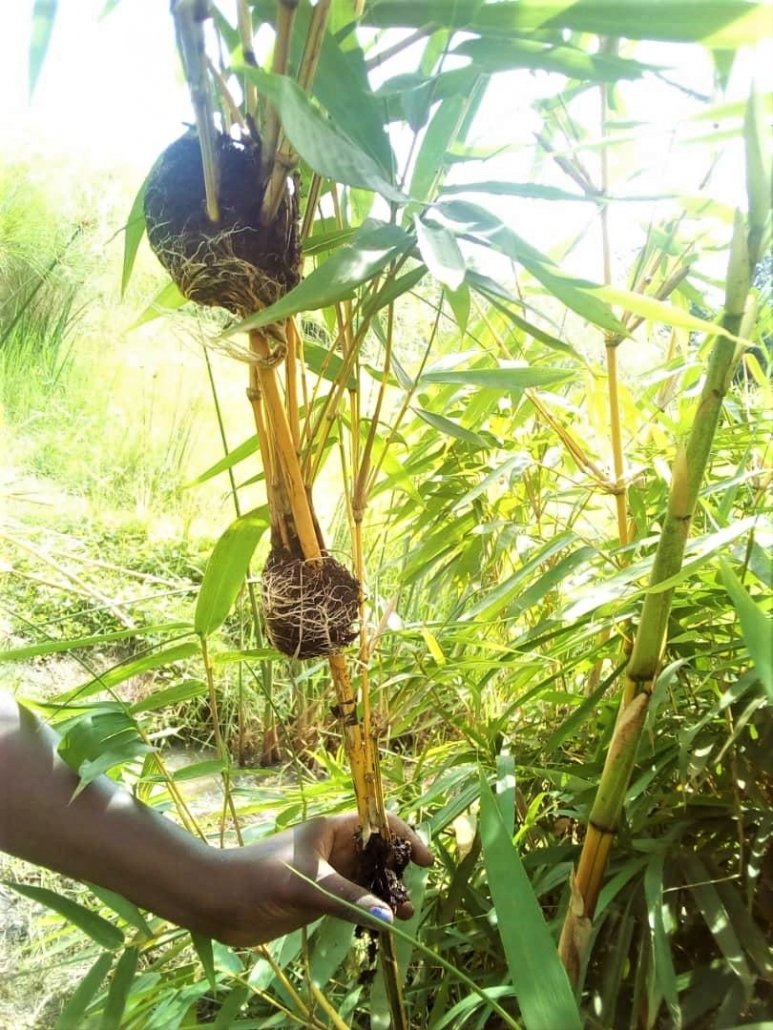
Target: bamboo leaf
[758, 184]
[203, 947]
[544, 994]
[244, 450]
[226, 570]
[440, 253]
[459, 302]
[654, 310]
[756, 627]
[505, 379]
[122, 907]
[173, 695]
[480, 226]
[120, 986]
[720, 24]
[168, 298]
[321, 144]
[134, 230]
[450, 428]
[75, 1008]
[229, 1011]
[665, 974]
[105, 934]
[698, 882]
[441, 133]
[341, 85]
[529, 190]
[495, 600]
[43, 18]
[19, 654]
[494, 55]
[375, 245]
[121, 673]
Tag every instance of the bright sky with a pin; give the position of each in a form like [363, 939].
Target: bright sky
[109, 87]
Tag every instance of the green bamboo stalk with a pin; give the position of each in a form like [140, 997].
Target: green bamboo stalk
[687, 475]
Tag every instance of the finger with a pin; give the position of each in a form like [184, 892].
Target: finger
[420, 853]
[337, 894]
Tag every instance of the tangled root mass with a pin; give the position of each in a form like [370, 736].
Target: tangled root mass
[310, 607]
[237, 263]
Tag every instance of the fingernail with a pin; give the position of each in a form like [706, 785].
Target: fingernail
[379, 912]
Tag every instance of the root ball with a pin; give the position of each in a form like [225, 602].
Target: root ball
[237, 263]
[310, 608]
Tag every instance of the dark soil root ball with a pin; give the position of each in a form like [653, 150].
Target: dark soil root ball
[382, 864]
[310, 608]
[236, 263]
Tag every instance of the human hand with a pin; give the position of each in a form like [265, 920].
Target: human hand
[257, 893]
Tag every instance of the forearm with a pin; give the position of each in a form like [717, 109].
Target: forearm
[103, 836]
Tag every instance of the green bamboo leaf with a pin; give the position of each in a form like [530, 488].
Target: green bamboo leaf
[373, 248]
[480, 226]
[494, 55]
[756, 627]
[758, 184]
[321, 144]
[121, 673]
[332, 943]
[441, 253]
[244, 450]
[98, 929]
[43, 18]
[530, 190]
[134, 230]
[441, 133]
[228, 1013]
[450, 428]
[495, 600]
[505, 790]
[120, 986]
[168, 298]
[122, 907]
[502, 301]
[199, 770]
[544, 994]
[459, 302]
[653, 310]
[94, 743]
[665, 974]
[341, 85]
[173, 695]
[504, 379]
[226, 570]
[203, 946]
[720, 925]
[19, 654]
[721, 24]
[75, 1008]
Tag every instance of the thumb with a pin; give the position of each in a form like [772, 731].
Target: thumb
[340, 894]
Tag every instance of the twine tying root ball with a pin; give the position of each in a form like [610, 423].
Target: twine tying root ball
[310, 607]
[237, 263]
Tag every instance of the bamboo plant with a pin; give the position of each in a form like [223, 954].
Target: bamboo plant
[687, 475]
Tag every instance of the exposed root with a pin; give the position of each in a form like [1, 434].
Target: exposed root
[310, 607]
[237, 263]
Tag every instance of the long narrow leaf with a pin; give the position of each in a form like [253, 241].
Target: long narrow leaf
[43, 18]
[541, 984]
[98, 929]
[226, 571]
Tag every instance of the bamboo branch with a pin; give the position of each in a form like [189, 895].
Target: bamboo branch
[189, 17]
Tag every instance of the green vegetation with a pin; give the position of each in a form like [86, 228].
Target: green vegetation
[542, 442]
